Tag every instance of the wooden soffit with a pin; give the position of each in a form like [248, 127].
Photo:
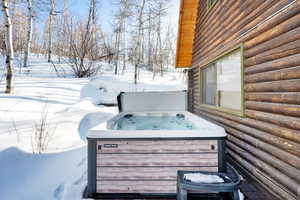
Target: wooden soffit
[186, 32]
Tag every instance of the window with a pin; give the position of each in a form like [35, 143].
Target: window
[210, 85]
[211, 3]
[222, 83]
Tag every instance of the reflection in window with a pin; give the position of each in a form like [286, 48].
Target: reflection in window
[222, 81]
[210, 85]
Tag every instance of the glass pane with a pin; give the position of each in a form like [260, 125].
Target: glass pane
[209, 85]
[229, 81]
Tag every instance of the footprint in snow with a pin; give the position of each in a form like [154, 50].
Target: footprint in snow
[59, 191]
[78, 181]
[82, 162]
[81, 178]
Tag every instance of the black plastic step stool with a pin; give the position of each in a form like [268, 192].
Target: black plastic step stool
[231, 183]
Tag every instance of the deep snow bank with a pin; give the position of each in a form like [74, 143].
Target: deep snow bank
[47, 176]
[105, 89]
[91, 120]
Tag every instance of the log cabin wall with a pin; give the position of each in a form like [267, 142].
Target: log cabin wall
[265, 142]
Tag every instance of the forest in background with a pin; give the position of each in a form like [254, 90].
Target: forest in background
[140, 36]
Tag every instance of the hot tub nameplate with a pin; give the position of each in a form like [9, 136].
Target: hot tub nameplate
[110, 146]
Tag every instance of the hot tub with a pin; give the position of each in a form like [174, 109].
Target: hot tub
[141, 149]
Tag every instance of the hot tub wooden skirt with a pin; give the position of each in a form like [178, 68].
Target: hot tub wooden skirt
[147, 166]
[138, 186]
[140, 179]
[144, 173]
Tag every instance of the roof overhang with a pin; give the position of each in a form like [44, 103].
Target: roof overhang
[186, 32]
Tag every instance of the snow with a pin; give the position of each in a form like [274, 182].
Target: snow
[72, 108]
[91, 120]
[47, 176]
[241, 195]
[105, 89]
[203, 178]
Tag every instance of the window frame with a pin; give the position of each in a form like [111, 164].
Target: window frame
[210, 5]
[239, 112]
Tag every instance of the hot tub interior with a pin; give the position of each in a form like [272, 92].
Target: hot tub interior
[154, 122]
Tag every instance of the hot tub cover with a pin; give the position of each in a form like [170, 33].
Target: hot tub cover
[152, 101]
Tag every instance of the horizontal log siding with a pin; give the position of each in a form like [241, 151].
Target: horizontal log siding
[266, 141]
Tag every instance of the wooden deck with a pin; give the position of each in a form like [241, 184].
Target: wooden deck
[251, 192]
[249, 188]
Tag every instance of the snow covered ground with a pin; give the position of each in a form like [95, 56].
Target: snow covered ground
[72, 108]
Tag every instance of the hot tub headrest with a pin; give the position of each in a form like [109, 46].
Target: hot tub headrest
[152, 101]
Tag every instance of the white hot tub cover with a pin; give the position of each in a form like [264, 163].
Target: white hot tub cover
[152, 101]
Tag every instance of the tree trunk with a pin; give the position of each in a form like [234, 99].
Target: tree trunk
[135, 73]
[117, 48]
[51, 15]
[160, 45]
[9, 47]
[138, 45]
[29, 33]
[149, 42]
[124, 47]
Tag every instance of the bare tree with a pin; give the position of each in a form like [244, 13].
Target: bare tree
[9, 47]
[159, 57]
[19, 24]
[150, 46]
[83, 43]
[29, 32]
[52, 13]
[118, 33]
[123, 13]
[126, 15]
[140, 6]
[107, 48]
[169, 46]
[93, 13]
[149, 38]
[159, 42]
